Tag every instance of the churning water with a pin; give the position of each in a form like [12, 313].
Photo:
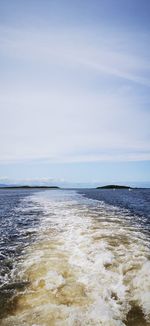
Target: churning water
[74, 258]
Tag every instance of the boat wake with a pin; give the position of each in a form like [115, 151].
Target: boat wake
[89, 265]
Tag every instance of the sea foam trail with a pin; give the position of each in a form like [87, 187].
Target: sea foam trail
[88, 266]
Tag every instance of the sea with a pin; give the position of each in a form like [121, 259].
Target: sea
[75, 257]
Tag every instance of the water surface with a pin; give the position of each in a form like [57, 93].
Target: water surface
[75, 257]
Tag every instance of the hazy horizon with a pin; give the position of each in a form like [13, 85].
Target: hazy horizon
[47, 182]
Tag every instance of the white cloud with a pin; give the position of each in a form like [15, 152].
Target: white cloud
[77, 47]
[63, 119]
[32, 181]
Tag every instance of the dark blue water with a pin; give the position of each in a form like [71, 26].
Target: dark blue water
[135, 202]
[21, 214]
[19, 218]
[18, 225]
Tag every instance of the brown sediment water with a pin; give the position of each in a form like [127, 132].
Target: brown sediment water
[88, 266]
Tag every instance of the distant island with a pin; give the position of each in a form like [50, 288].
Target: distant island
[29, 187]
[114, 187]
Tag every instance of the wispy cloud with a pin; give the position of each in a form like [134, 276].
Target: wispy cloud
[73, 97]
[76, 47]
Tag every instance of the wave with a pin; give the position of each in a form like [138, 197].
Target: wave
[89, 265]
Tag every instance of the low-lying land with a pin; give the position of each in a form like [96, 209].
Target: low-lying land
[114, 187]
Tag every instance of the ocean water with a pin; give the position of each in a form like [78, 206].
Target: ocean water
[73, 258]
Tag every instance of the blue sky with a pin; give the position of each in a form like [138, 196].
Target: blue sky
[74, 90]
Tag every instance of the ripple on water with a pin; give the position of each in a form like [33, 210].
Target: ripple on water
[88, 266]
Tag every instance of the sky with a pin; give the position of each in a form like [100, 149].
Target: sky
[75, 91]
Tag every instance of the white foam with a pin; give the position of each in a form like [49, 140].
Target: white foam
[87, 266]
